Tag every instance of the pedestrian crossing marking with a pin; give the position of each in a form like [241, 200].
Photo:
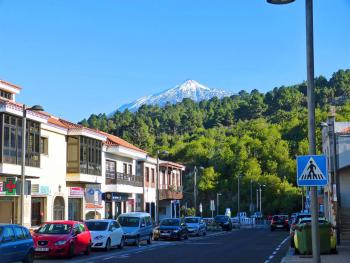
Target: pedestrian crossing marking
[312, 171]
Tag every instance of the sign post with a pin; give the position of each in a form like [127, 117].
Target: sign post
[312, 172]
[201, 209]
[212, 208]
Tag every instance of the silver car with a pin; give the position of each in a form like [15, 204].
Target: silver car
[196, 225]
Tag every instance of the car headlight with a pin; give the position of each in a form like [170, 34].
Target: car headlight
[176, 231]
[61, 242]
[99, 237]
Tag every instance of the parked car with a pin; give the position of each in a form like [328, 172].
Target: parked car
[173, 228]
[196, 226]
[279, 222]
[295, 221]
[137, 227]
[224, 221]
[16, 244]
[62, 238]
[321, 220]
[105, 233]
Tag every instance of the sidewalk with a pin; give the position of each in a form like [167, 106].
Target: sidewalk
[343, 256]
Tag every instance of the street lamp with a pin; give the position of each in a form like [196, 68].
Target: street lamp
[217, 202]
[260, 190]
[238, 198]
[157, 184]
[195, 190]
[311, 118]
[24, 132]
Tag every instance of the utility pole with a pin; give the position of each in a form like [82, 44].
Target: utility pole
[195, 190]
[251, 198]
[257, 199]
[238, 203]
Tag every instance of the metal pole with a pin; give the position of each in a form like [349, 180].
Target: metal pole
[238, 208]
[24, 122]
[302, 199]
[257, 199]
[311, 123]
[251, 197]
[260, 199]
[217, 203]
[195, 190]
[157, 191]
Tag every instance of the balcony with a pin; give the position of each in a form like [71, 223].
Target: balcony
[127, 179]
[170, 192]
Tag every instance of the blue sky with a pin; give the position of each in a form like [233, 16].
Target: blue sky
[77, 57]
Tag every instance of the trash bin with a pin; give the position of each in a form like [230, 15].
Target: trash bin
[325, 238]
[305, 239]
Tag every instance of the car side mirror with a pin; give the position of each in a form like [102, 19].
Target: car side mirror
[143, 225]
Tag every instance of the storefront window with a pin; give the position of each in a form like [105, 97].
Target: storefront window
[75, 209]
[58, 208]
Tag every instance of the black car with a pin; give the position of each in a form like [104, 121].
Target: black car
[224, 221]
[280, 222]
[173, 228]
[16, 244]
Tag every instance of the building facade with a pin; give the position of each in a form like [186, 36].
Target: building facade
[336, 146]
[76, 173]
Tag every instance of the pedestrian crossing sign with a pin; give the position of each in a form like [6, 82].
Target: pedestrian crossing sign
[312, 170]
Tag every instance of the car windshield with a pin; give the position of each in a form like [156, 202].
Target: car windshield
[192, 220]
[126, 221]
[56, 229]
[97, 225]
[220, 218]
[170, 222]
[280, 218]
[301, 217]
[308, 220]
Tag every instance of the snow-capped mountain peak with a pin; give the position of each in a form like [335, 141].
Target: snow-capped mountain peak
[188, 89]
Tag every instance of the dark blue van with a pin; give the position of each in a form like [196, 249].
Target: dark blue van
[16, 244]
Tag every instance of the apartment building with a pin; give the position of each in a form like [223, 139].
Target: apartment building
[73, 172]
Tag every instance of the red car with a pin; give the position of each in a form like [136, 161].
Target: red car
[62, 238]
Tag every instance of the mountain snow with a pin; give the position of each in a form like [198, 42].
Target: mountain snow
[189, 89]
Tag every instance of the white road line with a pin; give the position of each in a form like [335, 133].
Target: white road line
[267, 261]
[270, 257]
[108, 258]
[276, 250]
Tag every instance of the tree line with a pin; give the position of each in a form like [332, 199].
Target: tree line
[254, 135]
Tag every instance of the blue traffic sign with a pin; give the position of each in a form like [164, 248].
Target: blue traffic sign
[312, 170]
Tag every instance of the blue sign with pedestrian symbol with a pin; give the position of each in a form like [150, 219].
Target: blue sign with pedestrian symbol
[312, 170]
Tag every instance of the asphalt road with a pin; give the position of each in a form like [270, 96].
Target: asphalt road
[244, 245]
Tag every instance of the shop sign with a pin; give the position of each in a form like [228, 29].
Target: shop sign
[76, 191]
[9, 186]
[117, 197]
[93, 194]
[45, 190]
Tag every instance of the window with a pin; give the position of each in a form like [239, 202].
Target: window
[12, 141]
[152, 170]
[19, 233]
[83, 155]
[147, 174]
[130, 169]
[44, 145]
[5, 94]
[8, 235]
[125, 168]
[110, 172]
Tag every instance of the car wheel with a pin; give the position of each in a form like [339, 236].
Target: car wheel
[122, 243]
[88, 250]
[71, 251]
[204, 233]
[149, 240]
[296, 251]
[186, 236]
[272, 229]
[29, 257]
[108, 245]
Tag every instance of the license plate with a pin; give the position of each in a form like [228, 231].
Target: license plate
[42, 249]
[165, 234]
[279, 225]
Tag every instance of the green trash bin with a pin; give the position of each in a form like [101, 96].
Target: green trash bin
[325, 238]
[305, 238]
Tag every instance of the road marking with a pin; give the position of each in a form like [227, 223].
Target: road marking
[109, 258]
[276, 250]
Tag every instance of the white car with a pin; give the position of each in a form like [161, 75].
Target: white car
[105, 233]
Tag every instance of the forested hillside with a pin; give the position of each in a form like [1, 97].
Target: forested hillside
[254, 134]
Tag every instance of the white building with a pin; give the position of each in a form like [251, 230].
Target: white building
[76, 173]
[336, 146]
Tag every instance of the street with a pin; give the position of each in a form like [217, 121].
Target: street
[244, 245]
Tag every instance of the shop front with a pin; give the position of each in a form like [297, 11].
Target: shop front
[9, 200]
[39, 195]
[75, 203]
[115, 204]
[93, 202]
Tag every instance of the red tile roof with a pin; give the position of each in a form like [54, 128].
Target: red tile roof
[345, 130]
[115, 140]
[9, 84]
